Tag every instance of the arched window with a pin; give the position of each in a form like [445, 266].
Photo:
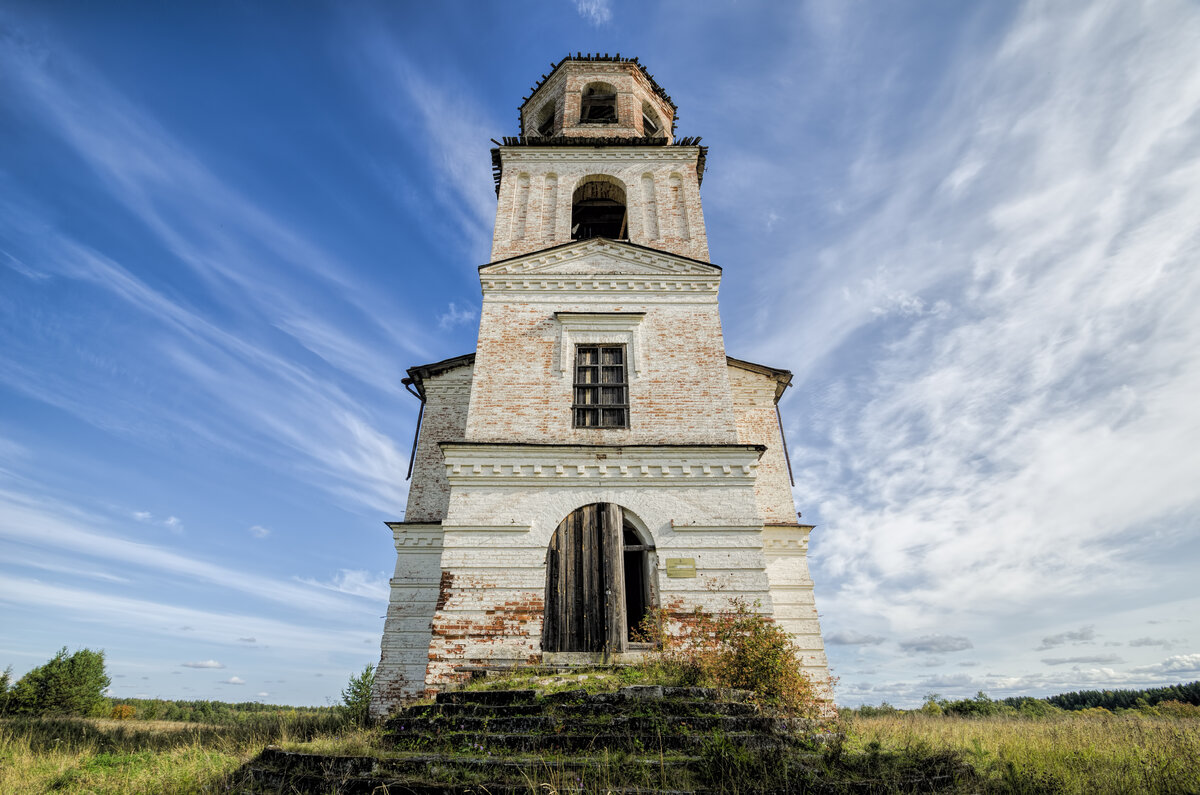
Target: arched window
[598, 209]
[598, 104]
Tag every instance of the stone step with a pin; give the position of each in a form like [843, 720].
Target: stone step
[276, 770]
[596, 723]
[489, 698]
[623, 695]
[590, 742]
[683, 710]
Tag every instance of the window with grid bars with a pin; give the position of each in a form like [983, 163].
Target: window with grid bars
[601, 387]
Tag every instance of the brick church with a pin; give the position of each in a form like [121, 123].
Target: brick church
[599, 455]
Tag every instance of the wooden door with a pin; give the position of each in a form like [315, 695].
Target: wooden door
[585, 583]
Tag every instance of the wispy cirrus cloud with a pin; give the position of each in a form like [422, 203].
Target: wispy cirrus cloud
[234, 243]
[254, 276]
[357, 583]
[203, 664]
[41, 524]
[256, 393]
[439, 109]
[164, 620]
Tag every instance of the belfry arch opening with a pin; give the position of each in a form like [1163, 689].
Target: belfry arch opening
[598, 582]
[598, 104]
[545, 120]
[651, 125]
[598, 209]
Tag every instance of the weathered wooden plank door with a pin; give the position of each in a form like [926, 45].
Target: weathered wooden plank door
[585, 582]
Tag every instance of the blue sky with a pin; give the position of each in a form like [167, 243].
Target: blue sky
[970, 229]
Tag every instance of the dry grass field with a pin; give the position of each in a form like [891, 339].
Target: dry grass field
[1093, 752]
[106, 756]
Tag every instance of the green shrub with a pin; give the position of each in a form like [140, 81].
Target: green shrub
[66, 685]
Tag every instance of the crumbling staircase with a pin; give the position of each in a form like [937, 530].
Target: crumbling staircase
[637, 739]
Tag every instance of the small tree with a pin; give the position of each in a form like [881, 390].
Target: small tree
[5, 687]
[357, 696]
[66, 685]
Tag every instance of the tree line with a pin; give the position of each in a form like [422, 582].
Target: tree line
[76, 685]
[1127, 699]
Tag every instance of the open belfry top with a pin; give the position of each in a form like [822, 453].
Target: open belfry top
[599, 456]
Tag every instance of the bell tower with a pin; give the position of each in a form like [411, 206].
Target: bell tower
[597, 157]
[598, 458]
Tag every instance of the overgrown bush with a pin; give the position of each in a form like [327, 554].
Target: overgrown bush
[738, 648]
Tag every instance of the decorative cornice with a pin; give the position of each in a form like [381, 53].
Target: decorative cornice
[496, 528]
[531, 153]
[416, 537]
[786, 540]
[697, 287]
[746, 525]
[470, 463]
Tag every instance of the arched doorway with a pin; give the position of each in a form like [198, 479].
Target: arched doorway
[597, 582]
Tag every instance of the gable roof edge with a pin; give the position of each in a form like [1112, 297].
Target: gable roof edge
[783, 378]
[541, 251]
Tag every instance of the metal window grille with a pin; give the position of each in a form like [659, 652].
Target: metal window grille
[601, 387]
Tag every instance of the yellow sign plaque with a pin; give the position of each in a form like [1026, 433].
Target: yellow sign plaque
[681, 568]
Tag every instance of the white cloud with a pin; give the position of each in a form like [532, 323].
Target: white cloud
[596, 12]
[936, 644]
[1166, 644]
[258, 531]
[1108, 659]
[262, 694]
[174, 524]
[143, 516]
[203, 664]
[233, 680]
[1179, 664]
[453, 316]
[1082, 634]
[851, 638]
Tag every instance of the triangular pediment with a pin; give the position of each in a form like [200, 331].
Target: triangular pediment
[601, 256]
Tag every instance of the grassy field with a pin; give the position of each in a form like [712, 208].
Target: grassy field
[1062, 753]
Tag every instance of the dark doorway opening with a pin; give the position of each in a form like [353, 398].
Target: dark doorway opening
[638, 598]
